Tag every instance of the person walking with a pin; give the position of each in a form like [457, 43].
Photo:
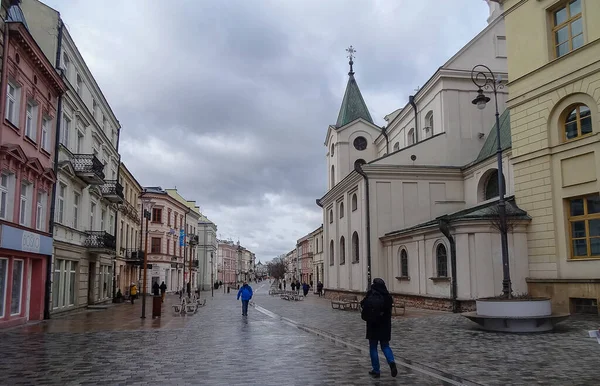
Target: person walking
[132, 292]
[320, 288]
[293, 286]
[377, 312]
[246, 293]
[163, 291]
[284, 284]
[155, 288]
[305, 288]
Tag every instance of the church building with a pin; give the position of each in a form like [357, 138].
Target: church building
[415, 202]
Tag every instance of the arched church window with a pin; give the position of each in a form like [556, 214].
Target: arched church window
[332, 149]
[428, 124]
[397, 146]
[342, 250]
[355, 248]
[441, 258]
[331, 260]
[577, 121]
[332, 176]
[354, 202]
[403, 263]
[411, 137]
[491, 188]
[331, 216]
[341, 210]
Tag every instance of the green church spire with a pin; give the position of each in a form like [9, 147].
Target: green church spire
[353, 104]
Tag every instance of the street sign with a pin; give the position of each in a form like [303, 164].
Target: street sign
[181, 237]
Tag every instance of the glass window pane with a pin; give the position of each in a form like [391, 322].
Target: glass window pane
[560, 16]
[577, 207]
[586, 125]
[571, 130]
[562, 35]
[3, 272]
[577, 41]
[594, 227]
[572, 117]
[17, 290]
[562, 49]
[580, 247]
[595, 245]
[577, 27]
[575, 7]
[593, 204]
[55, 286]
[578, 229]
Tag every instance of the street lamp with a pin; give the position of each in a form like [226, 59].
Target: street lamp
[146, 207]
[483, 77]
[212, 274]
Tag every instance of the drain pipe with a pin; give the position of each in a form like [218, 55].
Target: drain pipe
[387, 140]
[411, 101]
[358, 168]
[47, 304]
[445, 229]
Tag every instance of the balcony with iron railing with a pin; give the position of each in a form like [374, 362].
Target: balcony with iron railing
[100, 241]
[112, 191]
[89, 168]
[134, 256]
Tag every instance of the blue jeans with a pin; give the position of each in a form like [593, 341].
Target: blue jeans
[387, 351]
[245, 307]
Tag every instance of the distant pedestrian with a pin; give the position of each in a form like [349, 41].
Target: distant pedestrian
[284, 284]
[320, 288]
[132, 292]
[155, 288]
[163, 291]
[377, 312]
[305, 288]
[293, 286]
[246, 293]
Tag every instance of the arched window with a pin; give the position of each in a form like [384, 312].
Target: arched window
[331, 216]
[332, 176]
[331, 253]
[397, 146]
[360, 162]
[441, 258]
[491, 188]
[428, 124]
[332, 152]
[577, 121]
[355, 248]
[342, 250]
[403, 263]
[354, 202]
[411, 137]
[341, 210]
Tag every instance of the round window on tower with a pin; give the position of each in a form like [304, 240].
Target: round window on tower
[360, 143]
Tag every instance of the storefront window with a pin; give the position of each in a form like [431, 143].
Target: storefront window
[3, 274]
[17, 291]
[63, 286]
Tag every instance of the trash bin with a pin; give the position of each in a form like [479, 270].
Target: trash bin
[156, 306]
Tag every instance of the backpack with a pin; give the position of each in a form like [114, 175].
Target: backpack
[373, 307]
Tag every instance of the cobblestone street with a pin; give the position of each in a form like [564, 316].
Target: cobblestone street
[215, 346]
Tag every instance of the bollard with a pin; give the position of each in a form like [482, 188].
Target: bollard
[156, 306]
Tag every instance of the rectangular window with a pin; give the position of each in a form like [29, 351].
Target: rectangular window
[3, 195]
[40, 211]
[17, 287]
[3, 285]
[60, 207]
[63, 283]
[12, 103]
[567, 30]
[92, 210]
[66, 128]
[168, 247]
[31, 120]
[46, 122]
[24, 205]
[111, 224]
[169, 218]
[102, 216]
[79, 142]
[156, 245]
[584, 224]
[157, 215]
[76, 201]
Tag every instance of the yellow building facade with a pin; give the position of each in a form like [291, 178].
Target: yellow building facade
[554, 99]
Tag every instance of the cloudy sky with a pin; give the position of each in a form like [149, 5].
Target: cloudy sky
[230, 100]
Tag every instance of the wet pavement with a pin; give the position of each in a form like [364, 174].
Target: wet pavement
[215, 346]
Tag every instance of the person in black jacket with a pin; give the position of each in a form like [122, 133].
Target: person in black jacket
[379, 331]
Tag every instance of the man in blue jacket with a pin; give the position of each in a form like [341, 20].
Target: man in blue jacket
[246, 293]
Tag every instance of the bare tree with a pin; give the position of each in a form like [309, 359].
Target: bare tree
[494, 218]
[277, 268]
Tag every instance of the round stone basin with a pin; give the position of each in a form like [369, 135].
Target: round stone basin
[514, 308]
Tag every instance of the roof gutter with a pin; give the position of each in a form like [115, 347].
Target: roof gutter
[387, 140]
[444, 226]
[411, 101]
[358, 168]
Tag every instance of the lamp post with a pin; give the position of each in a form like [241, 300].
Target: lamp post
[483, 77]
[146, 207]
[212, 273]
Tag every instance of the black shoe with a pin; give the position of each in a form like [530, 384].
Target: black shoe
[374, 374]
[394, 369]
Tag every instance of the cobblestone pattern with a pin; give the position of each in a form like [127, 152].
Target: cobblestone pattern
[217, 346]
[453, 344]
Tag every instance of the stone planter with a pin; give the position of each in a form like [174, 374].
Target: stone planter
[515, 315]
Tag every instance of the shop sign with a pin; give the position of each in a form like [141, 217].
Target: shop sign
[25, 241]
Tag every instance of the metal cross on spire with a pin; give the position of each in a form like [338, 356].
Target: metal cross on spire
[350, 50]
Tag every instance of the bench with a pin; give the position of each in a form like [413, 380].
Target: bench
[398, 305]
[345, 302]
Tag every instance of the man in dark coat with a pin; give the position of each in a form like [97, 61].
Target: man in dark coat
[379, 331]
[155, 288]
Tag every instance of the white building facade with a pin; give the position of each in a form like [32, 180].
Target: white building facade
[207, 253]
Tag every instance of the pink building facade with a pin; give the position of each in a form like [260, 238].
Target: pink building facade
[31, 88]
[227, 268]
[306, 257]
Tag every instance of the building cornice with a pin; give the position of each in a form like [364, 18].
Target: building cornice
[413, 172]
[340, 188]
